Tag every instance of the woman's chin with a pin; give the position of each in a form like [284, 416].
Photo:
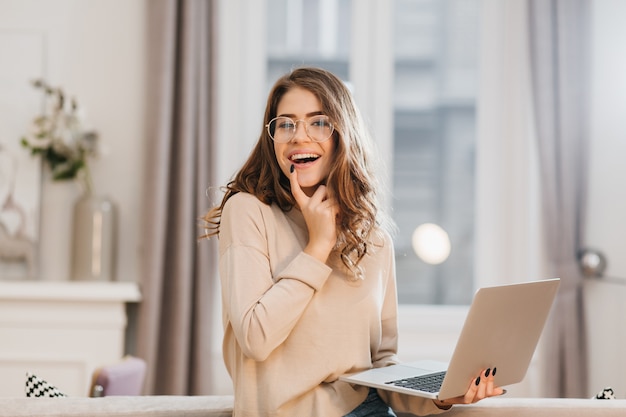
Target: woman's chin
[309, 182]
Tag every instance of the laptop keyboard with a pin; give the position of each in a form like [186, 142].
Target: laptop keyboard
[428, 383]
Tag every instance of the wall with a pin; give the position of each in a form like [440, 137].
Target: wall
[606, 226]
[95, 51]
[606, 216]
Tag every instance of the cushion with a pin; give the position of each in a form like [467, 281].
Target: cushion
[37, 387]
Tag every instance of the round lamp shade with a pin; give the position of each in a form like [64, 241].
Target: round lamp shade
[431, 243]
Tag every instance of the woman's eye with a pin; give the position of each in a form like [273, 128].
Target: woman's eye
[320, 123]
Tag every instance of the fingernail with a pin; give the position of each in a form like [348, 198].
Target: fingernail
[494, 372]
[477, 381]
[292, 168]
[487, 372]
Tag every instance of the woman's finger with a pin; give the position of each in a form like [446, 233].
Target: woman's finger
[479, 388]
[490, 386]
[482, 386]
[471, 391]
[299, 195]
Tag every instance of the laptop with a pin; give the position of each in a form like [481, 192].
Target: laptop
[501, 331]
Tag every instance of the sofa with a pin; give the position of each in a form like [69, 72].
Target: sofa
[221, 406]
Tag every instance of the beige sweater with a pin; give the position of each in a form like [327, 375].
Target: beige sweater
[293, 325]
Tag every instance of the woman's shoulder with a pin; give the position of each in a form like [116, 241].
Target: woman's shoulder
[243, 214]
[243, 198]
[242, 202]
[381, 240]
[243, 206]
[382, 236]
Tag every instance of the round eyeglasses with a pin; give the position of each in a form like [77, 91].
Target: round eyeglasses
[282, 129]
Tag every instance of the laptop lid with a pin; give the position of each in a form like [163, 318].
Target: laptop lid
[501, 331]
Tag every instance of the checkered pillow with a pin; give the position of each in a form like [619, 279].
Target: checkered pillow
[37, 387]
[606, 394]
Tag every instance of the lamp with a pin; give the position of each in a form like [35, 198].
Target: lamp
[431, 243]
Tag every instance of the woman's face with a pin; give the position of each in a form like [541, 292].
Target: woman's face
[312, 160]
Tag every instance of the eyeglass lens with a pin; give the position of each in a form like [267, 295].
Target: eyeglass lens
[283, 129]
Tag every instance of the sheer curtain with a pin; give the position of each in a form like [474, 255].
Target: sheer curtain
[178, 277]
[508, 211]
[559, 58]
[531, 172]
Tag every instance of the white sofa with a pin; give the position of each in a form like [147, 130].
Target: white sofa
[221, 406]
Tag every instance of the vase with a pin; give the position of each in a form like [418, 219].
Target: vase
[94, 238]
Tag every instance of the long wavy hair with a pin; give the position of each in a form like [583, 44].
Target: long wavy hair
[351, 176]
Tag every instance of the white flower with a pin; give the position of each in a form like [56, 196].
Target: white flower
[61, 138]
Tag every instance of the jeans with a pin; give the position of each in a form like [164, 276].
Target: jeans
[373, 406]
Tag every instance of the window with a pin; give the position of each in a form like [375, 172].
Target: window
[308, 32]
[434, 74]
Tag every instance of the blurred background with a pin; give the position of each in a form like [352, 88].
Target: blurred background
[445, 86]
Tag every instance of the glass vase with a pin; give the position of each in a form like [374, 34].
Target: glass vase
[94, 238]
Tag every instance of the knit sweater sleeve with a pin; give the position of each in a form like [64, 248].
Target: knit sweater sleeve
[262, 305]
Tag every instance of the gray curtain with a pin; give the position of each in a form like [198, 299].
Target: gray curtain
[559, 59]
[178, 274]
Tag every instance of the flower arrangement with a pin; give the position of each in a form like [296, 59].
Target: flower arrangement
[60, 137]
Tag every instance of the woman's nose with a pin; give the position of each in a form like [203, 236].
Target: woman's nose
[300, 133]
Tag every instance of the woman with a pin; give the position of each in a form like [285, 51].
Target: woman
[307, 263]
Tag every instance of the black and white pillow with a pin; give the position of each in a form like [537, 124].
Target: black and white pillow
[606, 394]
[37, 387]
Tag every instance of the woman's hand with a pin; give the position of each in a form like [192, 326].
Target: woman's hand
[320, 214]
[479, 388]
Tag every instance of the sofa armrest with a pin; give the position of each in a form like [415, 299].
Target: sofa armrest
[222, 406]
[540, 407]
[122, 406]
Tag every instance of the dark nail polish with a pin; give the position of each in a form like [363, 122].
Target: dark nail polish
[477, 381]
[487, 372]
[292, 168]
[494, 372]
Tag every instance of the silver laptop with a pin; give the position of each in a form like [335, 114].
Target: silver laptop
[501, 332]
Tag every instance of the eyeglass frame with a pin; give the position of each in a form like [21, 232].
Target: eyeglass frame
[306, 129]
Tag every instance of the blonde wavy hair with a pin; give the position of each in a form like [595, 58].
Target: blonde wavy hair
[351, 176]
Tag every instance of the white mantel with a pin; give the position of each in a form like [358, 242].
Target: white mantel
[61, 331]
[69, 291]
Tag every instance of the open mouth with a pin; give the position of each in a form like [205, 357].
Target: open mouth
[304, 158]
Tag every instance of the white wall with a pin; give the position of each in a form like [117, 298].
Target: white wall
[606, 217]
[606, 227]
[95, 51]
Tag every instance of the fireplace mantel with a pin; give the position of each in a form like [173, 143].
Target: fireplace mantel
[61, 331]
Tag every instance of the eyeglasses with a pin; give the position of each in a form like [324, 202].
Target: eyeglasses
[282, 129]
